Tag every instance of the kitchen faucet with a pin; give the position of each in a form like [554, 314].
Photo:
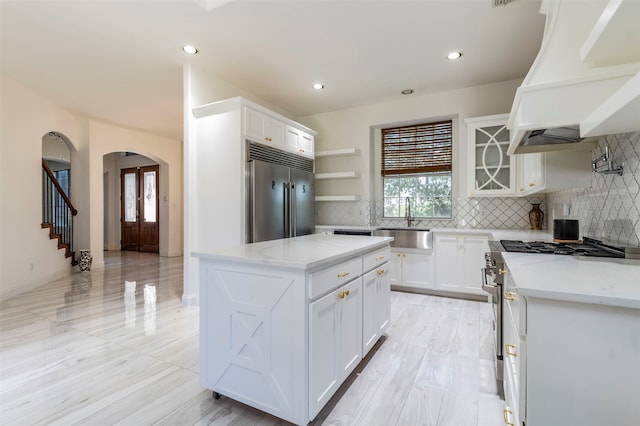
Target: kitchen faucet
[407, 203]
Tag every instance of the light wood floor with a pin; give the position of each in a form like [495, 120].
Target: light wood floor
[89, 349]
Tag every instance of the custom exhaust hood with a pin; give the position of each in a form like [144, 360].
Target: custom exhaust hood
[581, 85]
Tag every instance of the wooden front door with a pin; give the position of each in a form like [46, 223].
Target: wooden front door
[139, 209]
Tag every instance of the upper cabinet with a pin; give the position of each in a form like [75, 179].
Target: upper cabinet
[583, 73]
[298, 142]
[491, 171]
[263, 128]
[543, 172]
[494, 173]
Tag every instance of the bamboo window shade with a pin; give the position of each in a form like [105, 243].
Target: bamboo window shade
[422, 148]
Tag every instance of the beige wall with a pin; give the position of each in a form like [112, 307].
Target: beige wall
[357, 128]
[27, 256]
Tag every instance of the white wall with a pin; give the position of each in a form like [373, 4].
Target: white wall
[356, 128]
[200, 88]
[28, 258]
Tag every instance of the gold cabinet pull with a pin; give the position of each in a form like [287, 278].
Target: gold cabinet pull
[301, 150]
[346, 292]
[343, 274]
[380, 272]
[506, 413]
[341, 295]
[379, 257]
[509, 295]
[510, 349]
[502, 271]
[531, 185]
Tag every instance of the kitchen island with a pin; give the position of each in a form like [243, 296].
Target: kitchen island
[571, 340]
[284, 322]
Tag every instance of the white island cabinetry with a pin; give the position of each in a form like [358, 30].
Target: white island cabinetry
[282, 322]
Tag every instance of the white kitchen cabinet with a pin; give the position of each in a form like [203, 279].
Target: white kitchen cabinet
[491, 171]
[282, 337]
[215, 159]
[376, 313]
[412, 268]
[553, 171]
[335, 341]
[298, 142]
[459, 259]
[569, 362]
[514, 354]
[263, 128]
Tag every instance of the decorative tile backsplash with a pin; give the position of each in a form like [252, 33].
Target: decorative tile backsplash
[502, 213]
[610, 208]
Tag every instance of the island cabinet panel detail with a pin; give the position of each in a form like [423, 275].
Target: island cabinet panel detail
[335, 341]
[255, 334]
[283, 337]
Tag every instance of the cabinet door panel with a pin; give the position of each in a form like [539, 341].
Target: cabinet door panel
[449, 252]
[350, 326]
[383, 298]
[396, 269]
[417, 270]
[307, 144]
[274, 131]
[323, 351]
[475, 248]
[369, 311]
[254, 125]
[491, 170]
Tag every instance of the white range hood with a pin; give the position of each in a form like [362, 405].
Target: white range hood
[586, 75]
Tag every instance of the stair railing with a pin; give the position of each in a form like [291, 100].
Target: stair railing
[57, 210]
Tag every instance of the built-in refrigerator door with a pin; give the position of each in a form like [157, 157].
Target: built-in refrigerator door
[269, 186]
[303, 203]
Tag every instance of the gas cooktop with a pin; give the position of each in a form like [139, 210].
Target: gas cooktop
[588, 247]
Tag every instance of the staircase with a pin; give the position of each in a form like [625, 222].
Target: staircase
[57, 213]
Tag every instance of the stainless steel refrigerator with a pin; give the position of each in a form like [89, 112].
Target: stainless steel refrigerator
[281, 202]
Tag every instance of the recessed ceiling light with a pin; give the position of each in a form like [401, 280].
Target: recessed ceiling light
[454, 55]
[407, 91]
[190, 49]
[318, 86]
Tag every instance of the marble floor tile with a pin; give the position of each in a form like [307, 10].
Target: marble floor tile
[95, 349]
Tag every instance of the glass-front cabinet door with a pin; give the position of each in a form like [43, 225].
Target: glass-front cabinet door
[491, 171]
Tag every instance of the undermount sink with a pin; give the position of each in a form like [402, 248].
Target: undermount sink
[418, 238]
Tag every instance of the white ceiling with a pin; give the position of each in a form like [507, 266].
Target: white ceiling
[121, 61]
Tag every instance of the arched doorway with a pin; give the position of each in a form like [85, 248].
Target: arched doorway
[57, 154]
[57, 209]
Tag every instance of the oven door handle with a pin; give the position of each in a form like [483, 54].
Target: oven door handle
[491, 289]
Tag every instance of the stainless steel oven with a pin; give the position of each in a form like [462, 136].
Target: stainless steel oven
[492, 283]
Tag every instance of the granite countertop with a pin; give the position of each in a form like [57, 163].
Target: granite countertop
[307, 252]
[605, 281]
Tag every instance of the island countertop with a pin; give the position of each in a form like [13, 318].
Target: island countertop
[307, 252]
[603, 281]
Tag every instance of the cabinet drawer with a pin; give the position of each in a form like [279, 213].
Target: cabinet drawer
[371, 260]
[332, 277]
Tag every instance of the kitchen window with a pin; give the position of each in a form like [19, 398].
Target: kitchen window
[416, 168]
